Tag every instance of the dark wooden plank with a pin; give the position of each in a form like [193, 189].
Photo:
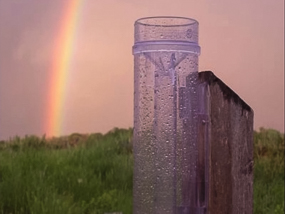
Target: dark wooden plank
[230, 149]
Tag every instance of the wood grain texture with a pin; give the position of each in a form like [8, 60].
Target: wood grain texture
[230, 133]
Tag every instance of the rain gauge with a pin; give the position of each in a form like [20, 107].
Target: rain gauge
[169, 164]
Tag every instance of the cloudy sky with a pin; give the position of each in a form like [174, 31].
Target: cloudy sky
[242, 42]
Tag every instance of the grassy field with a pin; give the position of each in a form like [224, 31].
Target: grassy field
[268, 172]
[93, 174]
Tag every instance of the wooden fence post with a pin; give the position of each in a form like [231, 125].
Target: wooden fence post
[230, 148]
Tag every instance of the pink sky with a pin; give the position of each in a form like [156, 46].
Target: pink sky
[242, 42]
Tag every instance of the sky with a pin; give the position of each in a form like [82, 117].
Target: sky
[242, 42]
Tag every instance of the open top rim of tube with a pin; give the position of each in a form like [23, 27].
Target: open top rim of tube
[146, 21]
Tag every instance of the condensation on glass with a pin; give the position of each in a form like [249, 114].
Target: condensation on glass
[169, 155]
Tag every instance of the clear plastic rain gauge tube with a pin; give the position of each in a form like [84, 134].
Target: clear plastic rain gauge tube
[166, 179]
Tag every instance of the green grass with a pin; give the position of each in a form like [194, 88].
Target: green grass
[94, 177]
[268, 172]
[92, 174]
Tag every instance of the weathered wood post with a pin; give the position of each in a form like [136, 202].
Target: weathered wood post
[228, 138]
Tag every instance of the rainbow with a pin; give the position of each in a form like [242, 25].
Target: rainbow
[63, 51]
